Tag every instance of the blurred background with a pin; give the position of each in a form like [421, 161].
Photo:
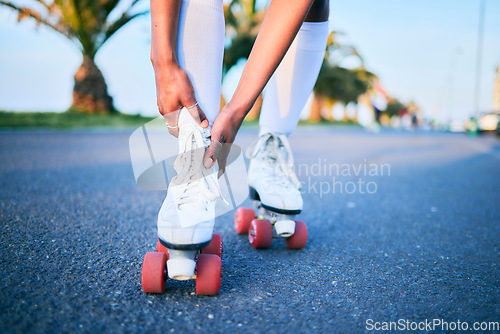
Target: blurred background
[427, 64]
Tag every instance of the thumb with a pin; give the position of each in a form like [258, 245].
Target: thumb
[212, 154]
[222, 159]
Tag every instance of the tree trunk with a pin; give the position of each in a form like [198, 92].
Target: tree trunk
[222, 102]
[316, 107]
[254, 113]
[90, 93]
[328, 113]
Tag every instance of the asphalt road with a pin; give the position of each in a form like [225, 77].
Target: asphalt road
[423, 245]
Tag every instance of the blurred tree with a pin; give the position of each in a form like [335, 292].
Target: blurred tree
[336, 82]
[243, 21]
[395, 107]
[341, 84]
[89, 24]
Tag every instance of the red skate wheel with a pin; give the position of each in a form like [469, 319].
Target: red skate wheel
[242, 220]
[162, 249]
[260, 233]
[208, 274]
[154, 272]
[299, 239]
[215, 246]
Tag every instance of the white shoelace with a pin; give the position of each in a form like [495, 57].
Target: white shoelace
[194, 186]
[278, 168]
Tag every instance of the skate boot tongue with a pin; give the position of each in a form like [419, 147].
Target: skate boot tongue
[188, 126]
[194, 188]
[186, 118]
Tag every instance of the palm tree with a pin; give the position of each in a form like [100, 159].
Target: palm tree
[243, 22]
[89, 24]
[336, 83]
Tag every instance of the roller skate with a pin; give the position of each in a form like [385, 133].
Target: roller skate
[275, 190]
[186, 247]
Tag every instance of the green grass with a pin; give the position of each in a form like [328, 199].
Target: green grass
[331, 123]
[75, 120]
[323, 122]
[69, 120]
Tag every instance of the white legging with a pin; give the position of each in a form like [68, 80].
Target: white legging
[200, 48]
[290, 86]
[200, 51]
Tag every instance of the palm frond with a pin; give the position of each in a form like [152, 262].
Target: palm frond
[44, 4]
[86, 22]
[25, 12]
[123, 20]
[109, 5]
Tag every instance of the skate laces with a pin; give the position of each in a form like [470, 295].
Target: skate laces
[194, 186]
[275, 150]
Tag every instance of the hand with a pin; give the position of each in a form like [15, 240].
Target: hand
[224, 131]
[174, 91]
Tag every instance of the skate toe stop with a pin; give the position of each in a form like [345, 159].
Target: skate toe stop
[285, 228]
[181, 269]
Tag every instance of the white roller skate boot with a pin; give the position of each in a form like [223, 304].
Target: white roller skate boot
[187, 216]
[275, 189]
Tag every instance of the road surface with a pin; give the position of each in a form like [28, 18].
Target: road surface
[403, 226]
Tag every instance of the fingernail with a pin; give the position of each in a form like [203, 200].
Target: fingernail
[204, 124]
[208, 162]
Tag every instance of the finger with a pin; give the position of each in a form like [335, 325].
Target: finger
[189, 101]
[171, 120]
[212, 154]
[198, 114]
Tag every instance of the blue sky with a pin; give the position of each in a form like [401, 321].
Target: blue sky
[422, 50]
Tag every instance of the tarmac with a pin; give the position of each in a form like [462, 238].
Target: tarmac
[403, 228]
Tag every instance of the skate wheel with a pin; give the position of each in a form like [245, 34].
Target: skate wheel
[153, 274]
[208, 274]
[162, 249]
[215, 246]
[260, 233]
[299, 239]
[242, 220]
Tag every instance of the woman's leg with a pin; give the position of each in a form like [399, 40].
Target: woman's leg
[200, 47]
[290, 86]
